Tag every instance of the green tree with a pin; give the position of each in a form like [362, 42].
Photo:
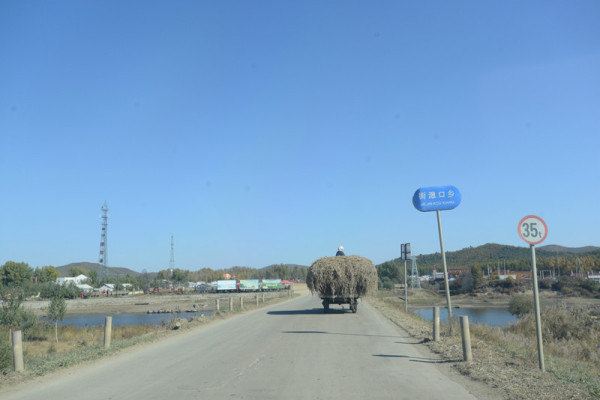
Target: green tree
[392, 270]
[15, 274]
[477, 276]
[46, 274]
[93, 275]
[56, 312]
[12, 313]
[520, 305]
[180, 275]
[76, 271]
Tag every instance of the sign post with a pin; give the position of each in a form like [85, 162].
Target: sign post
[443, 252]
[533, 230]
[438, 198]
[405, 254]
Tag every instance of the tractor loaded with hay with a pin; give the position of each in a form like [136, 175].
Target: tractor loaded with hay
[341, 280]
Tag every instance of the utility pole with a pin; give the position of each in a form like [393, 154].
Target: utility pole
[415, 282]
[404, 255]
[103, 255]
[172, 256]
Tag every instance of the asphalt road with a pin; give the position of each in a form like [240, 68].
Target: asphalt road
[287, 351]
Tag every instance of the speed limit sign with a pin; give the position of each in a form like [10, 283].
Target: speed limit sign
[532, 229]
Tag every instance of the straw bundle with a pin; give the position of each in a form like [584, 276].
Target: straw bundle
[345, 276]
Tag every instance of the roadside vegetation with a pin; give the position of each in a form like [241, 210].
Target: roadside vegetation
[506, 358]
[40, 283]
[478, 269]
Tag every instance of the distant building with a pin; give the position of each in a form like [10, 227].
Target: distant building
[85, 288]
[107, 288]
[594, 277]
[437, 276]
[506, 276]
[76, 280]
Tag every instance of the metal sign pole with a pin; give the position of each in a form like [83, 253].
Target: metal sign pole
[405, 290]
[441, 236]
[538, 319]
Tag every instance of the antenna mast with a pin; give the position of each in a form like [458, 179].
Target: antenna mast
[103, 256]
[172, 258]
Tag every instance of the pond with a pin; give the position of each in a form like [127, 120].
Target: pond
[491, 316]
[125, 319]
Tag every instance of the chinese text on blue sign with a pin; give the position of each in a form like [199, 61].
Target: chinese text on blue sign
[434, 198]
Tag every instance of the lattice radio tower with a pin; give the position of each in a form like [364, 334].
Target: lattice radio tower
[172, 258]
[415, 282]
[103, 256]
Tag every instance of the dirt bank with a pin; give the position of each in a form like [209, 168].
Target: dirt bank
[501, 359]
[148, 302]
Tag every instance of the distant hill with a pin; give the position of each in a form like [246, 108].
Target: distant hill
[65, 270]
[554, 248]
[286, 265]
[512, 257]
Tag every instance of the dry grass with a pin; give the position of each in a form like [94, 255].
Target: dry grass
[346, 276]
[506, 359]
[72, 338]
[568, 332]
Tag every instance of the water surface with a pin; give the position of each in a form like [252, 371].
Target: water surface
[125, 319]
[492, 316]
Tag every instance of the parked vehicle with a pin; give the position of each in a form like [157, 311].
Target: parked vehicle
[228, 285]
[204, 288]
[271, 284]
[249, 285]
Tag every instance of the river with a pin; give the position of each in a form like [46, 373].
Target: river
[125, 319]
[491, 316]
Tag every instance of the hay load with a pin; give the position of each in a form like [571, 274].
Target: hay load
[342, 276]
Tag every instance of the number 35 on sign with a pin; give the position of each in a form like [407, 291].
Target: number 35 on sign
[532, 229]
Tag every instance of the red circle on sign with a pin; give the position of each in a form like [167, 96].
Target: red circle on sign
[525, 239]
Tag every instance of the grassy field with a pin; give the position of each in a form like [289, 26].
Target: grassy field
[75, 346]
[506, 358]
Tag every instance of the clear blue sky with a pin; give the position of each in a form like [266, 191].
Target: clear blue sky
[264, 132]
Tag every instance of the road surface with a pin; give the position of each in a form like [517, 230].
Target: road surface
[291, 350]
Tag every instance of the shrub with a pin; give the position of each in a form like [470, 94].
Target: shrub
[520, 305]
[5, 356]
[56, 312]
[573, 286]
[545, 283]
[386, 283]
[560, 323]
[12, 313]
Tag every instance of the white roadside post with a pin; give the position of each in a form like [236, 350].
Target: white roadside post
[533, 230]
[107, 331]
[17, 348]
[436, 324]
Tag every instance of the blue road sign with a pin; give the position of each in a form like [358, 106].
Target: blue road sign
[434, 198]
